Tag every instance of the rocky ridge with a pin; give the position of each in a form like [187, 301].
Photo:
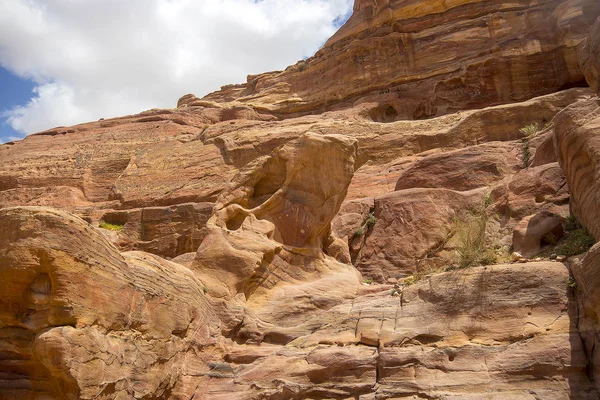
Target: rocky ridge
[338, 240]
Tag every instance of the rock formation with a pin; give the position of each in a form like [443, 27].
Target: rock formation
[590, 57]
[342, 229]
[421, 58]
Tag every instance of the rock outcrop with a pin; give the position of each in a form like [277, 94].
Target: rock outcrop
[78, 319]
[590, 57]
[577, 134]
[67, 334]
[338, 230]
[421, 58]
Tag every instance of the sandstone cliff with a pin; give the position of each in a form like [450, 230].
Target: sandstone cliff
[339, 230]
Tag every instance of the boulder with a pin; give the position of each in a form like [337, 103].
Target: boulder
[577, 136]
[590, 57]
[463, 169]
[536, 230]
[410, 231]
[78, 317]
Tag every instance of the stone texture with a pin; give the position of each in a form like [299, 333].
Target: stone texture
[370, 153]
[421, 58]
[586, 278]
[412, 228]
[590, 57]
[81, 320]
[529, 234]
[267, 238]
[577, 135]
[437, 339]
[166, 231]
[463, 169]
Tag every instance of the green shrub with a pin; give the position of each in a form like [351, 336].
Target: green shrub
[359, 232]
[110, 227]
[576, 242]
[530, 130]
[571, 224]
[370, 221]
[470, 234]
[526, 154]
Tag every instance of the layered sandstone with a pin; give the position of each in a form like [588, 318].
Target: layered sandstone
[314, 220]
[67, 335]
[421, 58]
[578, 144]
[590, 57]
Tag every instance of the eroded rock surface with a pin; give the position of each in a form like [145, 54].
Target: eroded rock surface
[590, 57]
[577, 133]
[295, 206]
[421, 58]
[78, 319]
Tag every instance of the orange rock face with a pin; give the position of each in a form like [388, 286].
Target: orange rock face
[338, 230]
[421, 58]
[578, 140]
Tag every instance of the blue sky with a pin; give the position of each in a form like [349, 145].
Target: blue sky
[94, 59]
[14, 91]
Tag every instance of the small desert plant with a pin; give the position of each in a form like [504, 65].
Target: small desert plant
[577, 242]
[487, 200]
[302, 65]
[571, 224]
[359, 232]
[368, 281]
[526, 153]
[571, 282]
[370, 221]
[204, 290]
[530, 130]
[109, 226]
[470, 233]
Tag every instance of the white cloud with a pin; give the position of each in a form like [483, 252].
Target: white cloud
[106, 58]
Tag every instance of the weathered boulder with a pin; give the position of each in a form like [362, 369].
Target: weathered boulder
[268, 237]
[463, 169]
[410, 230]
[577, 135]
[530, 190]
[535, 230]
[80, 320]
[590, 57]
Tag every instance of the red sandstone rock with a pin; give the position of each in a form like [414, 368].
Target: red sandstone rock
[577, 136]
[242, 188]
[529, 234]
[412, 226]
[421, 58]
[463, 169]
[590, 57]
